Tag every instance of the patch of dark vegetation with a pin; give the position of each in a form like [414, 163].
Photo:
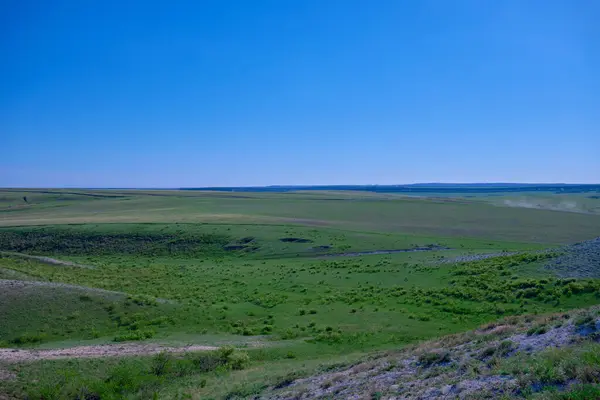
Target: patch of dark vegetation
[135, 335]
[73, 242]
[434, 358]
[295, 240]
[28, 338]
[321, 248]
[243, 244]
[537, 330]
[235, 247]
[503, 349]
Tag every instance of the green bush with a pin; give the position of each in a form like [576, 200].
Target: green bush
[135, 335]
[160, 363]
[28, 338]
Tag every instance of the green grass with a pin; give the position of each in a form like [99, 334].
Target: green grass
[136, 377]
[34, 314]
[198, 267]
[348, 302]
[550, 370]
[347, 211]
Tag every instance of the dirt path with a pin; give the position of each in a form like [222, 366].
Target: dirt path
[108, 350]
[46, 260]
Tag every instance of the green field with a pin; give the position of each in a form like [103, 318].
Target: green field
[275, 273]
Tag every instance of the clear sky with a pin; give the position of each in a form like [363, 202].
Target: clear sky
[202, 93]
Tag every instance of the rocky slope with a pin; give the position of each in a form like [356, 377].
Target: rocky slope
[511, 358]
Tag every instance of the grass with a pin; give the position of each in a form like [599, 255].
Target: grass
[554, 368]
[34, 313]
[346, 302]
[347, 211]
[186, 267]
[140, 377]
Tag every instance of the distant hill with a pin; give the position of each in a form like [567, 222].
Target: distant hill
[423, 188]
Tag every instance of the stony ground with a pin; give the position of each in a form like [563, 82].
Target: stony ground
[455, 367]
[580, 260]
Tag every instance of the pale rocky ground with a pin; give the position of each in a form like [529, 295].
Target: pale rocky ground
[458, 366]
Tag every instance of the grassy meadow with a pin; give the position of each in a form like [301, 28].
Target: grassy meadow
[296, 282]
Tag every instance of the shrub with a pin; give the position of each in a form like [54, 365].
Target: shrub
[487, 352]
[584, 319]
[505, 348]
[135, 335]
[434, 358]
[238, 360]
[160, 363]
[328, 337]
[205, 361]
[537, 330]
[28, 338]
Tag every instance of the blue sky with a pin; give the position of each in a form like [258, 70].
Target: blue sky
[220, 93]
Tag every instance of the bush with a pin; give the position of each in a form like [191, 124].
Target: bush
[238, 360]
[584, 319]
[160, 363]
[537, 330]
[135, 335]
[28, 338]
[434, 358]
[501, 350]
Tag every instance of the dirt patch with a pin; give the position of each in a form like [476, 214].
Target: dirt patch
[121, 350]
[295, 240]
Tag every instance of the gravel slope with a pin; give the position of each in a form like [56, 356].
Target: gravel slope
[580, 260]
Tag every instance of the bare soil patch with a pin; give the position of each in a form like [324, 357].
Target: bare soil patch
[117, 350]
